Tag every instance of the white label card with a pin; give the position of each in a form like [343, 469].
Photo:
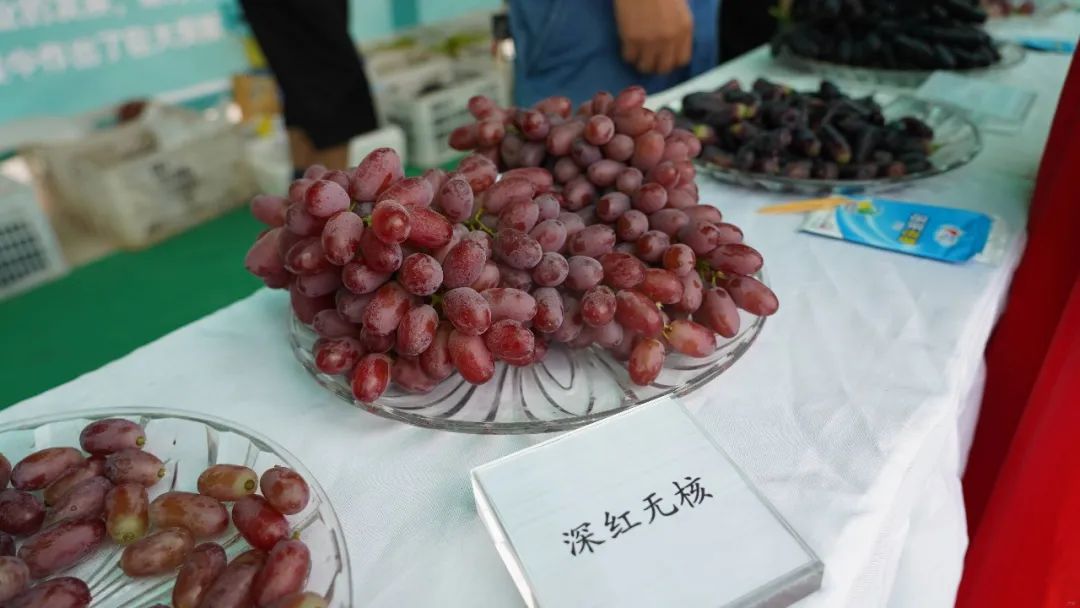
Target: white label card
[641, 509]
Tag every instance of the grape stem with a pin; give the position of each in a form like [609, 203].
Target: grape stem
[353, 206]
[706, 273]
[474, 222]
[436, 300]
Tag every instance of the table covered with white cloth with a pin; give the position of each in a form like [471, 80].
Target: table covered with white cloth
[852, 412]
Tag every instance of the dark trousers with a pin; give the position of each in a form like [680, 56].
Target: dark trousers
[319, 70]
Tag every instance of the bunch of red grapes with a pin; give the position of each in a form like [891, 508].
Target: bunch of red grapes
[592, 235]
[66, 504]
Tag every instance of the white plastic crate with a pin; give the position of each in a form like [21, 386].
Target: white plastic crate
[382, 62]
[390, 86]
[29, 253]
[433, 105]
[390, 136]
[138, 183]
[268, 157]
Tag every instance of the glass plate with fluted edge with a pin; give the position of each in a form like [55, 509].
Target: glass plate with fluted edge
[188, 443]
[956, 143]
[568, 389]
[1012, 54]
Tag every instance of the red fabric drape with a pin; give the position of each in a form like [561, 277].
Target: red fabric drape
[1039, 290]
[1022, 485]
[1026, 552]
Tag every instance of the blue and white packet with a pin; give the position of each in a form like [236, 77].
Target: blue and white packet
[939, 233]
[1047, 45]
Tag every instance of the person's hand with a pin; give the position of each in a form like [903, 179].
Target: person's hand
[657, 35]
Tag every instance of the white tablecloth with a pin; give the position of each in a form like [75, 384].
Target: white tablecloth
[853, 412]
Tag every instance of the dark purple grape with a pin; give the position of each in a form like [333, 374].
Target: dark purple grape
[62, 546]
[62, 592]
[134, 466]
[111, 435]
[234, 586]
[21, 513]
[85, 499]
[43, 467]
[198, 572]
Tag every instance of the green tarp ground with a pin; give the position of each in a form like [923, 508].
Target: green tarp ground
[108, 308]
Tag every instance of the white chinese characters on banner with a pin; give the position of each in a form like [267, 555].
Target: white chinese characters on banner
[110, 50]
[110, 46]
[27, 14]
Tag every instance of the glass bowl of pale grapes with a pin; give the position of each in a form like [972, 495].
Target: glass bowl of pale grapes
[153, 507]
[827, 139]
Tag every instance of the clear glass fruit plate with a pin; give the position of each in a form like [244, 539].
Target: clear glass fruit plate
[1012, 54]
[568, 389]
[956, 143]
[188, 443]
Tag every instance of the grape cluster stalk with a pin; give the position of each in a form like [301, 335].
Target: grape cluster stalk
[579, 228]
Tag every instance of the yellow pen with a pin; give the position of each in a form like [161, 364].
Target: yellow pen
[804, 206]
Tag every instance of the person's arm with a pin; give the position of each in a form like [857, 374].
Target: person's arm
[657, 35]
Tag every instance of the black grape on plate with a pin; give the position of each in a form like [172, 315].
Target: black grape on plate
[565, 238]
[887, 35]
[769, 134]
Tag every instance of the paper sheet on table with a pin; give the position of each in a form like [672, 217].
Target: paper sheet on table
[990, 104]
